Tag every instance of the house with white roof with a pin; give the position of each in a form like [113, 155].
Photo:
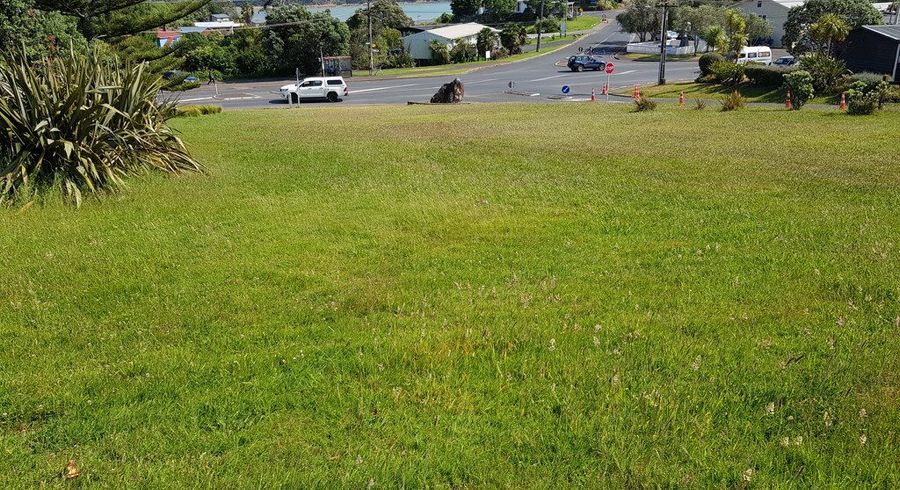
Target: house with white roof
[774, 11]
[418, 44]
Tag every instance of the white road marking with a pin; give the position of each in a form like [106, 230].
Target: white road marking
[548, 78]
[380, 88]
[195, 99]
[625, 72]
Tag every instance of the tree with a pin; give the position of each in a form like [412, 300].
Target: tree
[499, 8]
[247, 12]
[715, 39]
[641, 18]
[736, 31]
[486, 41]
[463, 52]
[513, 37]
[38, 32]
[829, 28]
[464, 8]
[117, 18]
[385, 13]
[299, 44]
[855, 13]
[758, 30]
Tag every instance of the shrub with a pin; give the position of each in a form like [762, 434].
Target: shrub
[550, 24]
[727, 73]
[733, 102]
[865, 97]
[83, 124]
[765, 76]
[707, 61]
[644, 103]
[463, 52]
[800, 83]
[197, 110]
[826, 72]
[440, 55]
[699, 104]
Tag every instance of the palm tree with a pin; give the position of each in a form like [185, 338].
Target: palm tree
[829, 28]
[715, 38]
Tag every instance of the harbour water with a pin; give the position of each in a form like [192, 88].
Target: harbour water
[419, 12]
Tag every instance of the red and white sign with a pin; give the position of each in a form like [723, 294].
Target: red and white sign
[609, 68]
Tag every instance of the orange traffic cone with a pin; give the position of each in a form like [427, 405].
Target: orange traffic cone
[788, 103]
[637, 93]
[843, 102]
[681, 98]
[593, 97]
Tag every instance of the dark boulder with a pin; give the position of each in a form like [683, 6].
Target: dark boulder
[449, 93]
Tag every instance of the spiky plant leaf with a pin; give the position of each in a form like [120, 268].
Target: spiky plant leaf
[83, 124]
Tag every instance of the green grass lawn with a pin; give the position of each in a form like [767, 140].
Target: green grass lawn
[446, 296]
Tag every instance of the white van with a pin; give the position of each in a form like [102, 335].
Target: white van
[755, 54]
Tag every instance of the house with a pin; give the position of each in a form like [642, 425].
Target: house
[418, 44]
[890, 13]
[774, 11]
[874, 49]
[219, 18]
[165, 39]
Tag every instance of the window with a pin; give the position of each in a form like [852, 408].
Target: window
[335, 82]
[311, 83]
[759, 4]
[751, 55]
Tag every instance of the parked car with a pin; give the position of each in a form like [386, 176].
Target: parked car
[331, 89]
[785, 61]
[191, 79]
[584, 62]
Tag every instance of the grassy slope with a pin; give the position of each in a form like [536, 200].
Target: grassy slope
[446, 295]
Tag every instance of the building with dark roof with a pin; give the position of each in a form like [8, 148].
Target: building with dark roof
[874, 49]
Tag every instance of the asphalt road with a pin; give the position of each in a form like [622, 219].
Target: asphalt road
[535, 79]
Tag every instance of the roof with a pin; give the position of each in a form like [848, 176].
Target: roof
[891, 32]
[167, 34]
[227, 24]
[457, 31]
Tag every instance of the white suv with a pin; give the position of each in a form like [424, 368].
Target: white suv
[327, 88]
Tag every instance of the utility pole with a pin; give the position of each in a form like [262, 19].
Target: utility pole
[371, 56]
[663, 42]
[540, 25]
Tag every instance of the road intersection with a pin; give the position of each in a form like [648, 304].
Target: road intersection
[535, 79]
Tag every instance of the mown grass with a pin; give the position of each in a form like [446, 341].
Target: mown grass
[446, 296]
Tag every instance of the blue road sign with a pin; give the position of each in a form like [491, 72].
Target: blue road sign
[565, 89]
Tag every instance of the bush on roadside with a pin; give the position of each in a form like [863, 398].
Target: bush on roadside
[733, 101]
[800, 83]
[550, 24]
[707, 61]
[826, 72]
[197, 110]
[866, 97]
[727, 73]
[765, 76]
[83, 124]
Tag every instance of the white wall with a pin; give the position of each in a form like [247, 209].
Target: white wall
[774, 13]
[417, 44]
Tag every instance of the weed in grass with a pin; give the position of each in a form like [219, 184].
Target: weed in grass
[699, 104]
[733, 102]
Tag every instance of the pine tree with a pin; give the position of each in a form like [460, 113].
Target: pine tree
[117, 18]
